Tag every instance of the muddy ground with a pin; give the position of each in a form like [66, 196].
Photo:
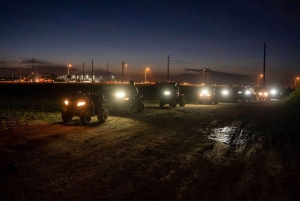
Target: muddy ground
[229, 151]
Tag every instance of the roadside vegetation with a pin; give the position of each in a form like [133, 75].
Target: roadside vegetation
[288, 117]
[23, 111]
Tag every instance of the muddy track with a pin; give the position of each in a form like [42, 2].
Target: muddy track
[199, 152]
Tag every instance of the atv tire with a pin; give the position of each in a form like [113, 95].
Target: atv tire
[103, 115]
[66, 118]
[216, 101]
[141, 107]
[161, 105]
[85, 117]
[131, 108]
[173, 104]
[182, 103]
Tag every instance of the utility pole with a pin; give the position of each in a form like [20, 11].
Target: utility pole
[107, 72]
[168, 68]
[19, 72]
[205, 71]
[82, 71]
[123, 67]
[264, 63]
[33, 75]
[27, 76]
[92, 71]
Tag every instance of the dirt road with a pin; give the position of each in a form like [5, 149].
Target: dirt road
[199, 152]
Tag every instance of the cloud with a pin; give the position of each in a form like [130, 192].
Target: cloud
[212, 76]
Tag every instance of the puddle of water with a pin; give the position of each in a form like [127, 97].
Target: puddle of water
[234, 138]
[232, 135]
[224, 135]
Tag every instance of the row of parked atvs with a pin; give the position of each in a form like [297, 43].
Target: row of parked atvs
[87, 105]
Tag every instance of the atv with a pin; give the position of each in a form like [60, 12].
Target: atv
[169, 94]
[85, 106]
[207, 95]
[125, 101]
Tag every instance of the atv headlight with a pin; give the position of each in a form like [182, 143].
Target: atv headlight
[204, 92]
[247, 92]
[260, 93]
[266, 94]
[239, 92]
[66, 102]
[81, 103]
[167, 93]
[273, 92]
[225, 92]
[120, 94]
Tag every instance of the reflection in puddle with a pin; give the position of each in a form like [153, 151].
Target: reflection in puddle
[232, 135]
[234, 138]
[224, 135]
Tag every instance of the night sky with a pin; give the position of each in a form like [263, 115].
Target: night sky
[225, 36]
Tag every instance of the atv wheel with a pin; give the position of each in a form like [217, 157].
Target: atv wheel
[85, 117]
[173, 104]
[161, 105]
[141, 107]
[130, 108]
[182, 103]
[103, 115]
[216, 101]
[65, 117]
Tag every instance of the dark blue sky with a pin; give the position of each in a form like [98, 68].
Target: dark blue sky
[226, 36]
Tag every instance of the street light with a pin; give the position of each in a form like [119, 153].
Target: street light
[261, 75]
[297, 78]
[146, 74]
[70, 65]
[127, 66]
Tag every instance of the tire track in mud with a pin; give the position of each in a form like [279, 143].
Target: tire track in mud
[203, 159]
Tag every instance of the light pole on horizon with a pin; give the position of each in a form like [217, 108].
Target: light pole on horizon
[297, 78]
[146, 74]
[261, 75]
[70, 65]
[127, 66]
